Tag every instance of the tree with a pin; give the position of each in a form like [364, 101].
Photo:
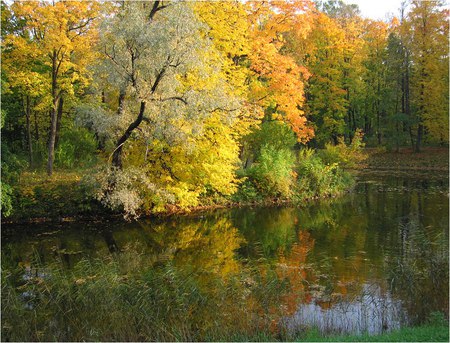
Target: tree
[279, 83]
[323, 54]
[396, 95]
[58, 47]
[428, 25]
[373, 97]
[168, 105]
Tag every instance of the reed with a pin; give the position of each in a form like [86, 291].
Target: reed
[128, 298]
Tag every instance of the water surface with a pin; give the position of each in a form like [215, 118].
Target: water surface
[372, 260]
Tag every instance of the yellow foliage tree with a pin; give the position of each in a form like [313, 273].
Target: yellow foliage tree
[59, 43]
[428, 26]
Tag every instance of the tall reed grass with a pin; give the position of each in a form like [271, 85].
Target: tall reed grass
[128, 297]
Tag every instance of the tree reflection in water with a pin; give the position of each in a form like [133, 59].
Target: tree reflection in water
[369, 261]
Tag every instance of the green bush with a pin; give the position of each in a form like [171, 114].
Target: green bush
[247, 192]
[77, 147]
[273, 173]
[275, 134]
[317, 179]
[6, 204]
[346, 156]
[11, 167]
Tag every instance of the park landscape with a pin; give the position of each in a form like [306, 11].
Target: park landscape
[224, 171]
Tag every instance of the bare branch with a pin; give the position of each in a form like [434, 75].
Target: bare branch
[87, 22]
[155, 9]
[175, 98]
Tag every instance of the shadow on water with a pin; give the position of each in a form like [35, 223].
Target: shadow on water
[371, 261]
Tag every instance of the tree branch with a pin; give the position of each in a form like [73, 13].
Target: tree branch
[158, 79]
[175, 98]
[155, 9]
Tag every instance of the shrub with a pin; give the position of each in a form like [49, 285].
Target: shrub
[273, 174]
[317, 179]
[128, 191]
[247, 192]
[76, 147]
[11, 167]
[276, 134]
[6, 200]
[346, 156]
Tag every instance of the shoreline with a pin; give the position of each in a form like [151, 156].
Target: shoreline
[379, 163]
[193, 211]
[196, 210]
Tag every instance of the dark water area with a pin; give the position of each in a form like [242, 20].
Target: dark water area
[369, 261]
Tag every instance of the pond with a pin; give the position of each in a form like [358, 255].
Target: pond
[369, 261]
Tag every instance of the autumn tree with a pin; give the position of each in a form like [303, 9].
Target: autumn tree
[52, 53]
[323, 54]
[373, 111]
[169, 106]
[428, 28]
[279, 84]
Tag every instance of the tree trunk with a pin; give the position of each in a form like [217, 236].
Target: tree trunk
[53, 116]
[117, 155]
[58, 120]
[378, 128]
[419, 138]
[28, 117]
[51, 141]
[121, 107]
[397, 144]
[36, 127]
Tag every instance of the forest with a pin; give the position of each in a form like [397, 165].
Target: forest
[149, 107]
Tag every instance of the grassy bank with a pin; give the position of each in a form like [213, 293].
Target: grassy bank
[38, 197]
[68, 196]
[433, 332]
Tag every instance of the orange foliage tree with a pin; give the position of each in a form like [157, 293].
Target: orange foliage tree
[279, 80]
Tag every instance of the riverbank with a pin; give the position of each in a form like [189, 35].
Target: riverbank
[438, 332]
[64, 197]
[405, 160]
[430, 332]
[233, 275]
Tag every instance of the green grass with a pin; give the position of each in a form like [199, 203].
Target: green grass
[424, 333]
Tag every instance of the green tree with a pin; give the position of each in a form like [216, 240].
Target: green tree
[325, 93]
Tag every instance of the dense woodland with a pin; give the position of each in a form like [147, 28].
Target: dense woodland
[177, 104]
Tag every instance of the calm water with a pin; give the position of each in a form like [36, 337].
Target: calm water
[371, 260]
